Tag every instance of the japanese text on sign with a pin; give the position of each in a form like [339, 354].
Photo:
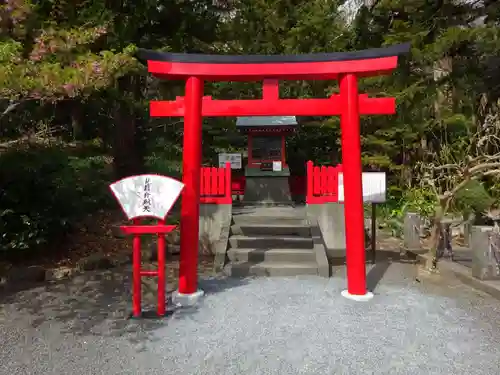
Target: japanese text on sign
[146, 202]
[233, 159]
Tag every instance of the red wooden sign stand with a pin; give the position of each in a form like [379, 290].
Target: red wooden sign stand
[136, 230]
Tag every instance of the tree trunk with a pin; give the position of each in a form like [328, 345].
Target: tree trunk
[77, 120]
[127, 155]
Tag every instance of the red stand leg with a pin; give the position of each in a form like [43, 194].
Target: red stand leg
[353, 190]
[191, 171]
[161, 271]
[136, 274]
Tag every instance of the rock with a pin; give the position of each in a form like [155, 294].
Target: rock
[28, 274]
[95, 262]
[59, 273]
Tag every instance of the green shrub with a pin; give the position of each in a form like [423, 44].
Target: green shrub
[44, 192]
[473, 198]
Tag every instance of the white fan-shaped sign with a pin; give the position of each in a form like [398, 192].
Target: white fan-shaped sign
[147, 195]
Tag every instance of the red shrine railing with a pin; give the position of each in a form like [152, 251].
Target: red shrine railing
[322, 183]
[215, 185]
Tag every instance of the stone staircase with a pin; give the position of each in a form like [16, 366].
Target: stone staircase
[271, 242]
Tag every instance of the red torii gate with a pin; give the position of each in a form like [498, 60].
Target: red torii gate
[349, 105]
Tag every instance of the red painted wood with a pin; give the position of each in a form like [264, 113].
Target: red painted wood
[227, 184]
[289, 71]
[323, 180]
[309, 174]
[147, 229]
[353, 194]
[136, 271]
[161, 298]
[136, 229]
[271, 89]
[316, 181]
[322, 183]
[191, 174]
[216, 185]
[272, 107]
[221, 176]
[149, 273]
[272, 131]
[298, 186]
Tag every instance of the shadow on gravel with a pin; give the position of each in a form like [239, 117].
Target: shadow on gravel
[98, 303]
[381, 256]
[375, 275]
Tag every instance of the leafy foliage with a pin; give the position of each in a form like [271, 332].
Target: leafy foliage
[44, 191]
[68, 72]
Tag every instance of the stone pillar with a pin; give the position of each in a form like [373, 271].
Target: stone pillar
[214, 224]
[331, 221]
[485, 265]
[467, 231]
[411, 232]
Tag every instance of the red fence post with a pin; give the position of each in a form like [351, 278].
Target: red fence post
[228, 193]
[202, 182]
[221, 175]
[213, 181]
[309, 187]
[323, 181]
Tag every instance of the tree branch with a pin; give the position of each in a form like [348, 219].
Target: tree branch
[10, 108]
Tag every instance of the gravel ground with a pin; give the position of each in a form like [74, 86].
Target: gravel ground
[255, 326]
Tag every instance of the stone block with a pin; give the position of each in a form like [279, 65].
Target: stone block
[331, 221]
[411, 231]
[485, 245]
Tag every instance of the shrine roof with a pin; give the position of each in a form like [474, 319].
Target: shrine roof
[265, 121]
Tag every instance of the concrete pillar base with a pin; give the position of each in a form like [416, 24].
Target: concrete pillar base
[357, 297]
[187, 300]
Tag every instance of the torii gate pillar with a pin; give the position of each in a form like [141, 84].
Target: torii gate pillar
[353, 194]
[190, 204]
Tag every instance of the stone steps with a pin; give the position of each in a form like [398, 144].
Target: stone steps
[270, 242]
[254, 219]
[271, 255]
[256, 229]
[280, 269]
